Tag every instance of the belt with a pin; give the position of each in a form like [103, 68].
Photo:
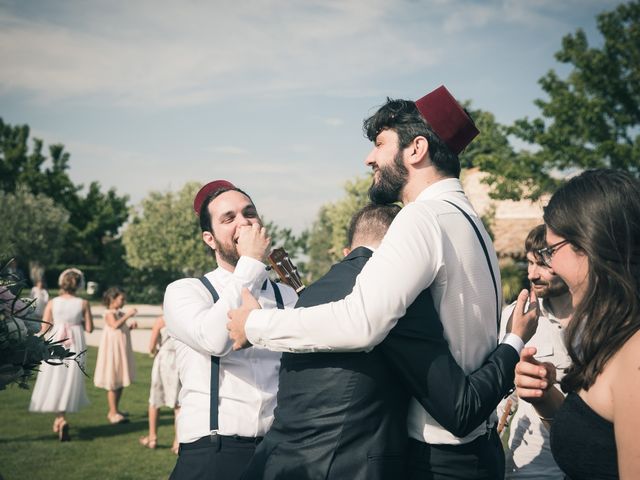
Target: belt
[215, 441]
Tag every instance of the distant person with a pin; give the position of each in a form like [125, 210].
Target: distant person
[60, 389]
[165, 383]
[40, 296]
[593, 228]
[528, 453]
[115, 366]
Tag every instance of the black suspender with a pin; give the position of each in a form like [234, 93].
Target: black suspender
[215, 370]
[486, 255]
[215, 361]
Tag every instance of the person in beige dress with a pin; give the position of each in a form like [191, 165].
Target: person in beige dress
[115, 366]
[165, 384]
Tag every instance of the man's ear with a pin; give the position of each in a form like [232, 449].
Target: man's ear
[207, 237]
[418, 150]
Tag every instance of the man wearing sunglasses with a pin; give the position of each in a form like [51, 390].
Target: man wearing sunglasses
[529, 455]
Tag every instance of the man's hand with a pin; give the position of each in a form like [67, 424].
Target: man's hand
[524, 322]
[238, 318]
[533, 379]
[253, 241]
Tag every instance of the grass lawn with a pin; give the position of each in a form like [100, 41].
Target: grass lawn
[30, 450]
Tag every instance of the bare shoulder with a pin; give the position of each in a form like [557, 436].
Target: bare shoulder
[627, 363]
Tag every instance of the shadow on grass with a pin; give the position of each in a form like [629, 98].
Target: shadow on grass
[29, 438]
[91, 432]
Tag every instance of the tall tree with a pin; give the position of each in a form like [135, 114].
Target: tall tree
[95, 217]
[164, 235]
[32, 227]
[328, 235]
[590, 118]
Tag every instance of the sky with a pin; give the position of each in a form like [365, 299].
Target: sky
[147, 95]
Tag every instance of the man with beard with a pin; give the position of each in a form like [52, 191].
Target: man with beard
[436, 244]
[227, 398]
[345, 415]
[529, 451]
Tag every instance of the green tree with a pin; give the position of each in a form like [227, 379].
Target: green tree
[164, 235]
[94, 218]
[31, 227]
[328, 235]
[590, 118]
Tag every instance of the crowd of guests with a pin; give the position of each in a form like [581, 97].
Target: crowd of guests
[400, 361]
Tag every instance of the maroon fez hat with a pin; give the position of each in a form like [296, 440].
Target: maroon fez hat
[447, 118]
[207, 190]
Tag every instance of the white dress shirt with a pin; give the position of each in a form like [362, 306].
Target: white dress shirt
[528, 455]
[430, 243]
[248, 378]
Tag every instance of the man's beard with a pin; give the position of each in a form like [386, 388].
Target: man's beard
[391, 180]
[228, 253]
[554, 288]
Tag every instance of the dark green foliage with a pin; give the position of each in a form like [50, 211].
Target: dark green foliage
[590, 119]
[94, 217]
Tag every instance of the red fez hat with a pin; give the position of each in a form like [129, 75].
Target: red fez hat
[207, 190]
[447, 118]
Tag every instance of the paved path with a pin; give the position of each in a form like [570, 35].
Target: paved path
[146, 316]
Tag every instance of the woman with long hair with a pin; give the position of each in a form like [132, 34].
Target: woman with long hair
[593, 238]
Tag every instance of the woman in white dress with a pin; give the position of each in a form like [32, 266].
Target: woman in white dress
[60, 388]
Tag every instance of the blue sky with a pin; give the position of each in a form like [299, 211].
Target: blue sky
[269, 94]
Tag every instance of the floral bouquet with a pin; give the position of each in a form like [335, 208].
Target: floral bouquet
[22, 350]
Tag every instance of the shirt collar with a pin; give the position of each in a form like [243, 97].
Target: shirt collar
[441, 187]
[545, 311]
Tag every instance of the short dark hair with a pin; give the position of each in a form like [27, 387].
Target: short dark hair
[403, 117]
[205, 216]
[111, 294]
[536, 240]
[371, 221]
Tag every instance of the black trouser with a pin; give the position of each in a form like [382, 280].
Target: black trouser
[481, 459]
[216, 457]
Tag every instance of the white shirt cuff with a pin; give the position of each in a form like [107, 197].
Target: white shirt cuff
[253, 327]
[514, 340]
[248, 267]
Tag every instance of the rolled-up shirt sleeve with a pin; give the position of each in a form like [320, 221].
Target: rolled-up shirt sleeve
[191, 317]
[407, 262]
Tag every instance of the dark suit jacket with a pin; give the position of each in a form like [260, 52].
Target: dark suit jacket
[343, 415]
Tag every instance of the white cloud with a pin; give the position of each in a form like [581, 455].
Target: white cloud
[230, 150]
[334, 122]
[164, 54]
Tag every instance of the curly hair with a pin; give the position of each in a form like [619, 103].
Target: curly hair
[403, 117]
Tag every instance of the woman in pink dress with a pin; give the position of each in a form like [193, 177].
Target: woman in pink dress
[115, 366]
